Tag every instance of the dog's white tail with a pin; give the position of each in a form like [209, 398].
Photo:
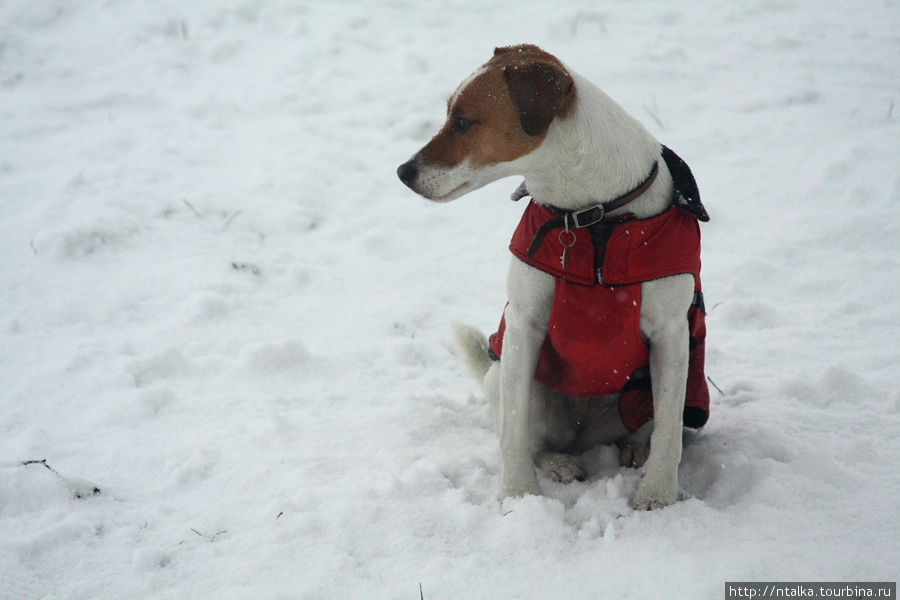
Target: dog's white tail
[474, 346]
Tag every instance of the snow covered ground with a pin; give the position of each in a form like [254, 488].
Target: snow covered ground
[219, 307]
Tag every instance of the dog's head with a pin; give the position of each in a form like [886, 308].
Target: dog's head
[499, 114]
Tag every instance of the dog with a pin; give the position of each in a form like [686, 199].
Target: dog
[602, 339]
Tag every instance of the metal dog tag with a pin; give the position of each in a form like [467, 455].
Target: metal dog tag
[567, 239]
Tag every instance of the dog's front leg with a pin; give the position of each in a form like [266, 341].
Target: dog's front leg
[530, 294]
[664, 322]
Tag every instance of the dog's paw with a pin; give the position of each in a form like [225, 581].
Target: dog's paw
[519, 479]
[651, 503]
[634, 448]
[654, 493]
[520, 490]
[563, 468]
[633, 456]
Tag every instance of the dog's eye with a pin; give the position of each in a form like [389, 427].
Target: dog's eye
[461, 124]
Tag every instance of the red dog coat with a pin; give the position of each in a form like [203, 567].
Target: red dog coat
[594, 345]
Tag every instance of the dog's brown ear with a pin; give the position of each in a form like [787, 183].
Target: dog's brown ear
[541, 91]
[521, 48]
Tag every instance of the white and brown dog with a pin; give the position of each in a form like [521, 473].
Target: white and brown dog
[606, 256]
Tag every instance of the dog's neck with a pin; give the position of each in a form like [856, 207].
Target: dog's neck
[598, 153]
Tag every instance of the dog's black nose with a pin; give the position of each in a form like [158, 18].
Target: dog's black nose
[407, 172]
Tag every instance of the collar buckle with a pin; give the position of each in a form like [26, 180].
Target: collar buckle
[589, 216]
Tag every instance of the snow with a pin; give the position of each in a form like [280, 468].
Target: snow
[221, 309]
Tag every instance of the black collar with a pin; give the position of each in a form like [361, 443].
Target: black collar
[594, 214]
[589, 216]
